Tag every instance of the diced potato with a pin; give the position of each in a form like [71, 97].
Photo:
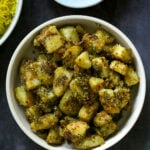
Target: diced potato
[54, 137]
[114, 80]
[80, 29]
[50, 38]
[61, 80]
[69, 105]
[45, 107]
[124, 95]
[108, 129]
[100, 64]
[75, 131]
[109, 102]
[96, 84]
[119, 67]
[44, 122]
[131, 77]
[104, 35]
[90, 142]
[70, 34]
[66, 120]
[102, 118]
[70, 55]
[121, 53]
[87, 112]
[53, 43]
[24, 97]
[46, 95]
[92, 43]
[83, 60]
[33, 113]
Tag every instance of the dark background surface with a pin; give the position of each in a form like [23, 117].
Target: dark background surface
[131, 16]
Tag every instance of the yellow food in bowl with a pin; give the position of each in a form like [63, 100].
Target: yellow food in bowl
[77, 86]
[7, 12]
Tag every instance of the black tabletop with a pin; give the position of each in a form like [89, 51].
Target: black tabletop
[130, 16]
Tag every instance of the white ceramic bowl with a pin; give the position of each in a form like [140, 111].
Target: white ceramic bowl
[25, 48]
[78, 3]
[13, 23]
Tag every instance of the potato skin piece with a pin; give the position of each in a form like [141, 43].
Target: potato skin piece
[44, 122]
[90, 142]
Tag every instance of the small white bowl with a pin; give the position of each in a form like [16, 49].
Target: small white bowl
[25, 48]
[78, 3]
[13, 23]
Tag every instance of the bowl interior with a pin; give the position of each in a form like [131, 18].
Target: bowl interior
[26, 49]
[13, 23]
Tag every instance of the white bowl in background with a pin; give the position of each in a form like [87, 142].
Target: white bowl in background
[13, 23]
[25, 48]
[78, 3]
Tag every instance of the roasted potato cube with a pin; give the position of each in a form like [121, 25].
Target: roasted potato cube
[108, 129]
[90, 142]
[87, 112]
[24, 97]
[80, 29]
[70, 55]
[45, 107]
[70, 34]
[83, 60]
[44, 122]
[69, 105]
[109, 102]
[66, 120]
[50, 38]
[54, 137]
[92, 43]
[100, 64]
[104, 35]
[75, 131]
[96, 84]
[46, 95]
[121, 53]
[119, 67]
[61, 80]
[114, 80]
[131, 78]
[102, 118]
[33, 113]
[124, 95]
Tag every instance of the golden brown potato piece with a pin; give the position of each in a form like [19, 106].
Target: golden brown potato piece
[33, 113]
[96, 84]
[54, 137]
[108, 129]
[44, 122]
[75, 131]
[50, 38]
[131, 78]
[70, 55]
[90, 142]
[70, 34]
[61, 80]
[119, 67]
[24, 97]
[102, 118]
[121, 53]
[101, 65]
[87, 112]
[83, 60]
[69, 105]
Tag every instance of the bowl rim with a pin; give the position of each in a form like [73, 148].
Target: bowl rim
[13, 23]
[77, 3]
[133, 117]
